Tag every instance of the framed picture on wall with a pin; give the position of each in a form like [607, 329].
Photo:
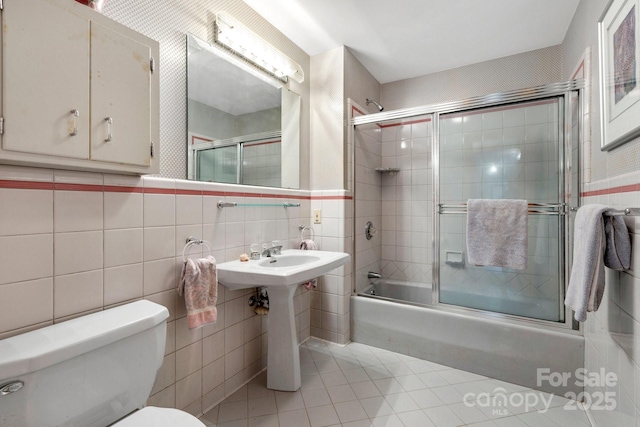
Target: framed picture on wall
[618, 38]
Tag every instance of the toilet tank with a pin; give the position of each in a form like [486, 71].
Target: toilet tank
[89, 371]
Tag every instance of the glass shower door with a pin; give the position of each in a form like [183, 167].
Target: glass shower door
[509, 152]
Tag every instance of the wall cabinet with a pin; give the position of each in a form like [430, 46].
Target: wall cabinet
[79, 91]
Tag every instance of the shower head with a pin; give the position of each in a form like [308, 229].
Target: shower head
[371, 101]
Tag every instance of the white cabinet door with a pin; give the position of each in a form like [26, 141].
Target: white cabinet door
[120, 93]
[45, 76]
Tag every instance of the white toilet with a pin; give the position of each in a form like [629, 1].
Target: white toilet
[93, 371]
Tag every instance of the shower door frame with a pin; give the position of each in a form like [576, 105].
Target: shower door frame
[562, 90]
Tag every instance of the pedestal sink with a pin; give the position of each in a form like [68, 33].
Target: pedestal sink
[281, 274]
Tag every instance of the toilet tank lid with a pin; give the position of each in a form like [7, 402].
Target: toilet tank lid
[53, 344]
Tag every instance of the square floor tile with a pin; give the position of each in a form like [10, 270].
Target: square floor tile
[401, 402]
[315, 397]
[410, 382]
[442, 416]
[416, 419]
[355, 375]
[432, 379]
[231, 411]
[350, 411]
[297, 418]
[361, 386]
[365, 389]
[264, 421]
[376, 407]
[425, 398]
[320, 416]
[289, 401]
[262, 406]
[468, 414]
[361, 423]
[341, 393]
[333, 378]
[388, 386]
[450, 394]
[387, 421]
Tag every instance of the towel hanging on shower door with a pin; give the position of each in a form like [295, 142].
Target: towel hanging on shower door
[497, 232]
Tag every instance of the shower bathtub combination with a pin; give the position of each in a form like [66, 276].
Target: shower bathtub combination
[414, 291]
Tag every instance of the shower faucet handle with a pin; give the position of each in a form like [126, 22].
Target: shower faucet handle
[370, 231]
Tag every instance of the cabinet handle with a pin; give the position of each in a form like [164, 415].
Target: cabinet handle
[109, 121]
[75, 113]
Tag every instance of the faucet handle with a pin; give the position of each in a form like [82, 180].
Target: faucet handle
[266, 250]
[255, 251]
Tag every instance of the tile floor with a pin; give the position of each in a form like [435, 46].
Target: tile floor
[362, 386]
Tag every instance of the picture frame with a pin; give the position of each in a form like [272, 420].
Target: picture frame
[619, 63]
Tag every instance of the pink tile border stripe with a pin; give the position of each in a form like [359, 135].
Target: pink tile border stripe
[40, 185]
[262, 143]
[77, 187]
[25, 185]
[61, 186]
[613, 190]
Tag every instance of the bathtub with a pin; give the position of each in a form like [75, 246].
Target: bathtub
[493, 346]
[408, 292]
[420, 293]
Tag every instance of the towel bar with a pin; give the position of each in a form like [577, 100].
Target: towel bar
[222, 204]
[534, 208]
[627, 211]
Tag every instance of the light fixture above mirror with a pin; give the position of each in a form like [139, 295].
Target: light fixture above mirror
[235, 37]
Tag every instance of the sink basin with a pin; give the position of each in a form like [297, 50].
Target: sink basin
[281, 274]
[288, 260]
[292, 267]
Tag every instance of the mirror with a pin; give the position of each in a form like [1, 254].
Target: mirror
[243, 126]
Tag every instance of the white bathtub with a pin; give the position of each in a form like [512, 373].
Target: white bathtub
[494, 347]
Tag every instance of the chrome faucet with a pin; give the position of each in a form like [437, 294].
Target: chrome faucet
[274, 250]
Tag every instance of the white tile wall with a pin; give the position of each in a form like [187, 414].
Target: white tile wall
[329, 301]
[72, 243]
[611, 341]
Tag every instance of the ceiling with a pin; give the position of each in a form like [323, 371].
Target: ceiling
[400, 39]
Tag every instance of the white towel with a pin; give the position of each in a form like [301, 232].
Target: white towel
[309, 245]
[617, 252]
[594, 246]
[497, 233]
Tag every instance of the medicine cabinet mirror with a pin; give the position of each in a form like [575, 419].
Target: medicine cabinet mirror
[243, 127]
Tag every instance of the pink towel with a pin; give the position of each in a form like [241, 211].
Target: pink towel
[309, 245]
[199, 285]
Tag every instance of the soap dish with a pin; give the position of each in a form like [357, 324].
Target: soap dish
[390, 171]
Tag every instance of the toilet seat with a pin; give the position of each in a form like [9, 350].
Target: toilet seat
[152, 416]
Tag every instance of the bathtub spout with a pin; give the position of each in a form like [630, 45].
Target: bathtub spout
[374, 275]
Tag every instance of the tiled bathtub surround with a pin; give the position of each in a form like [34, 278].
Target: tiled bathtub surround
[73, 243]
[397, 203]
[368, 193]
[407, 202]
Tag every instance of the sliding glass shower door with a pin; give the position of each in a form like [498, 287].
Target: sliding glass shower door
[514, 151]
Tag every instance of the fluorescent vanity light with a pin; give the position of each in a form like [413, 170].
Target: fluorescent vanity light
[234, 36]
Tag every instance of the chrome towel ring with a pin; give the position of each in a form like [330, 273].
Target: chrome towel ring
[193, 241]
[303, 228]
